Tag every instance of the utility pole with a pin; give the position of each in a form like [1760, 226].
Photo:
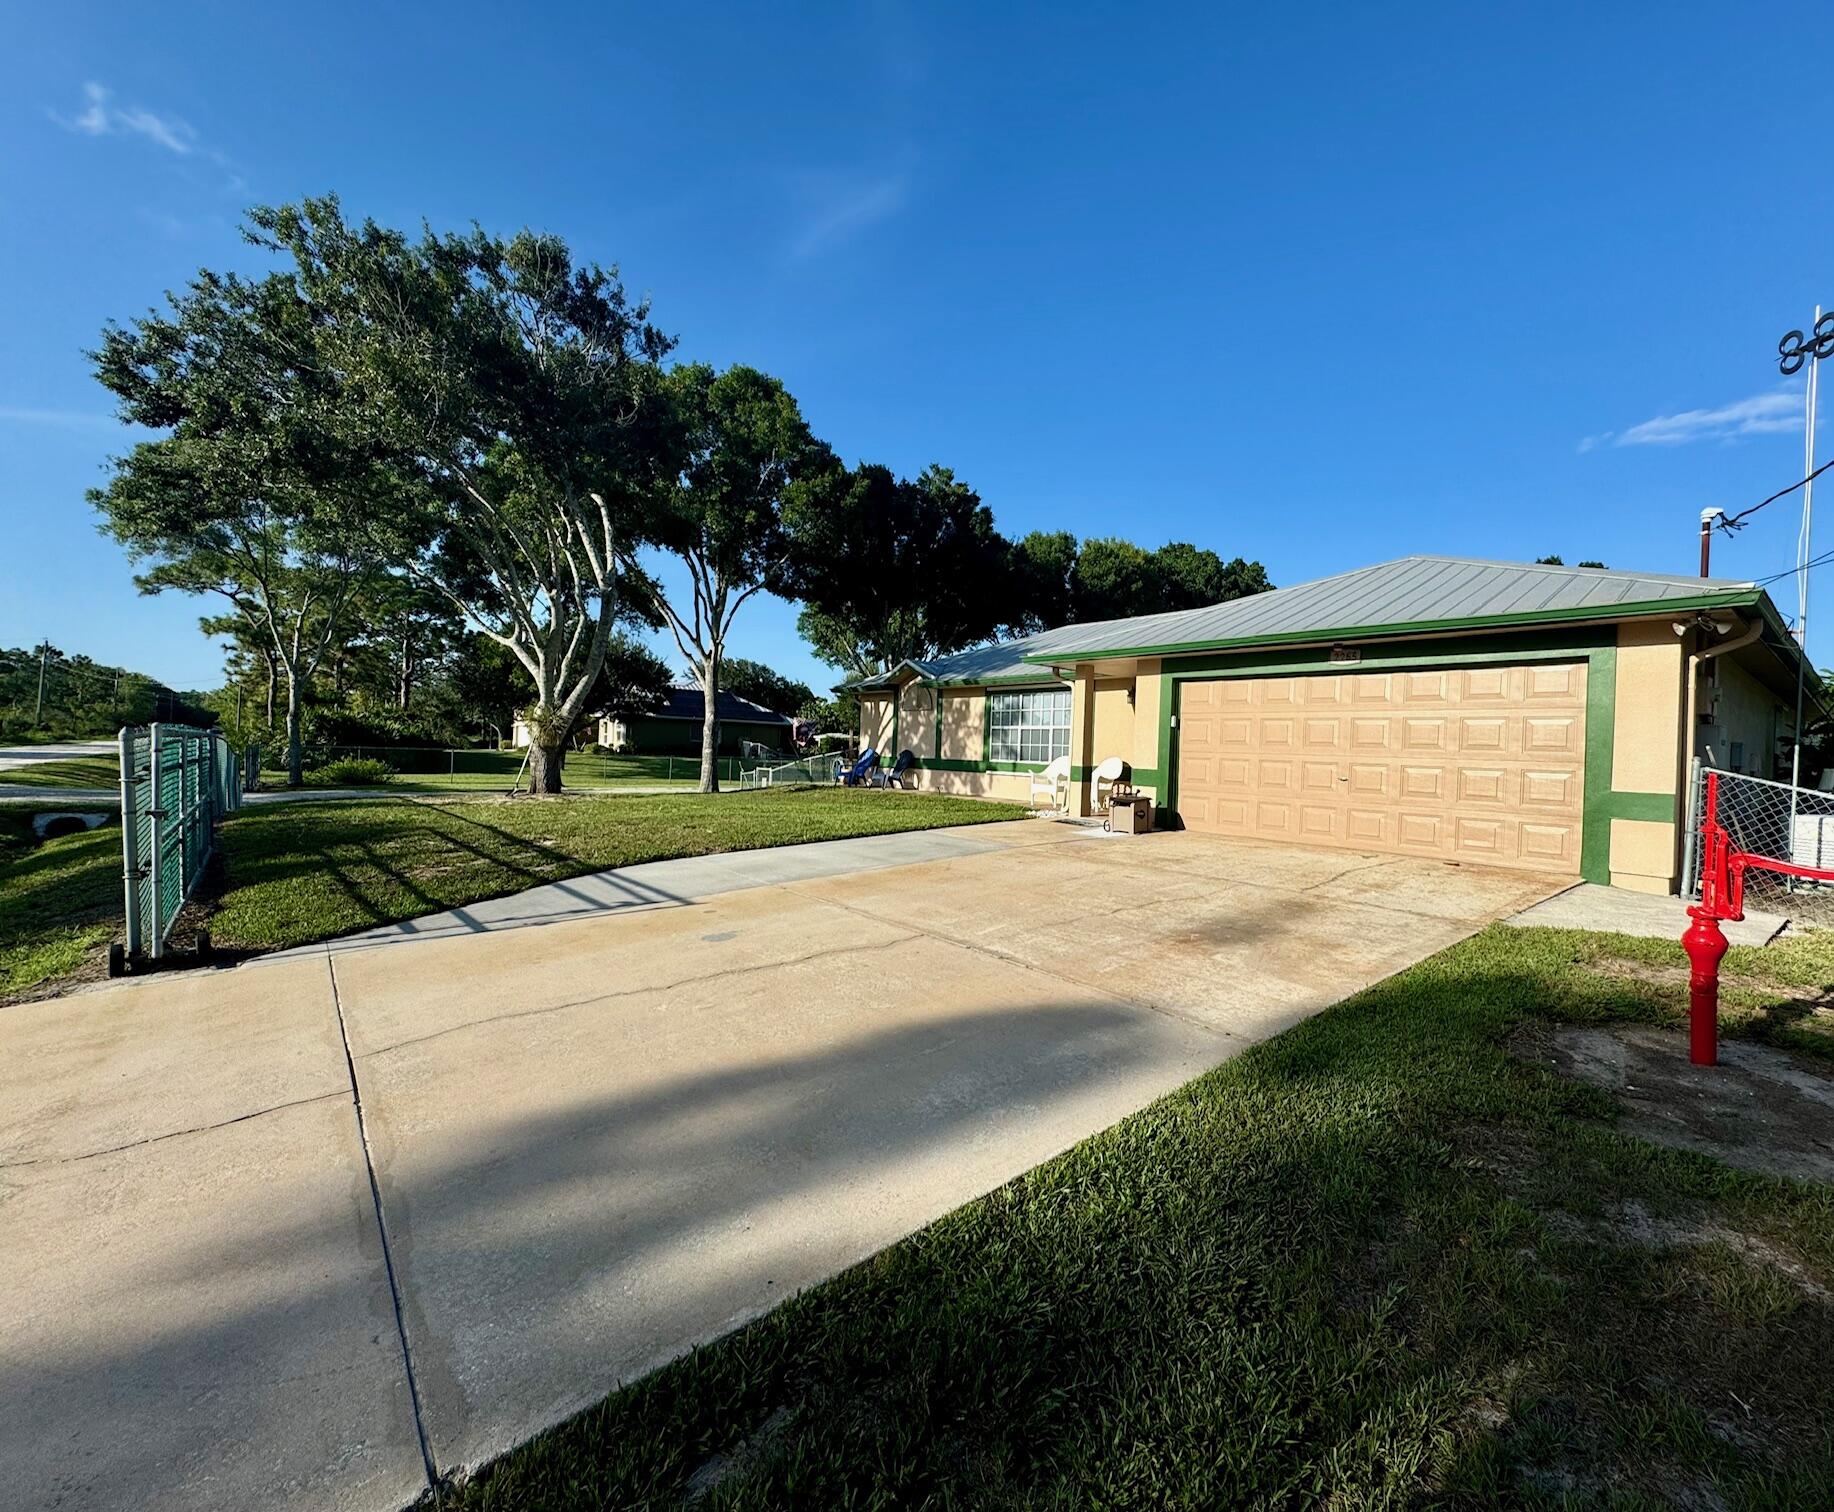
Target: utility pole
[1793, 352]
[38, 715]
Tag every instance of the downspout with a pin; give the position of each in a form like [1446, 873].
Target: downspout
[1691, 735]
[1750, 634]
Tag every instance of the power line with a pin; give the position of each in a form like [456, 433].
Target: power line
[1826, 556]
[1729, 523]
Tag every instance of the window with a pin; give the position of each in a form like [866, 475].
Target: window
[1738, 756]
[1032, 726]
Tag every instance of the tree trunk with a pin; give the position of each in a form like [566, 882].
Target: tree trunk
[710, 722]
[404, 687]
[295, 755]
[268, 658]
[544, 768]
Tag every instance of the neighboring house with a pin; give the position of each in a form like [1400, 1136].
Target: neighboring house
[1486, 712]
[674, 729]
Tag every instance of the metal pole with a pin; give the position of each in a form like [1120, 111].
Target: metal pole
[156, 946]
[1690, 853]
[1802, 593]
[130, 844]
[38, 715]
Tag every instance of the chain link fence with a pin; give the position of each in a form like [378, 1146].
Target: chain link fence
[806, 769]
[177, 782]
[1769, 819]
[437, 769]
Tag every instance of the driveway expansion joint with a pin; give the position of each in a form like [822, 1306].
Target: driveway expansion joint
[388, 1258]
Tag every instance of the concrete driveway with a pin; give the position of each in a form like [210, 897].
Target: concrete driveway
[30, 755]
[290, 1234]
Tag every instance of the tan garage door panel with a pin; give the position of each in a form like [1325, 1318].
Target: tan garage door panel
[1468, 763]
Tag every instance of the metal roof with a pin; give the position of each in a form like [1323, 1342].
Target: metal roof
[1412, 595]
[687, 703]
[1004, 661]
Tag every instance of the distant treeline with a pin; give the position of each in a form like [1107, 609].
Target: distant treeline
[83, 699]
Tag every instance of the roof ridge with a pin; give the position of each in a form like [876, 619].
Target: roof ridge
[1619, 572]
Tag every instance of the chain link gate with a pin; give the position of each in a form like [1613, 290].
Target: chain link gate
[177, 782]
[1765, 818]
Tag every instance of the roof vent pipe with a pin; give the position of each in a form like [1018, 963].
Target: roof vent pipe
[1707, 517]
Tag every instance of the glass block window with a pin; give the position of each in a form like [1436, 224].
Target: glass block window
[1029, 726]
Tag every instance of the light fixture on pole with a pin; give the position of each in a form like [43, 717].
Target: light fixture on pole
[1794, 352]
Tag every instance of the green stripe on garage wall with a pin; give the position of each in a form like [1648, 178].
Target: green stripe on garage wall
[1601, 744]
[1602, 805]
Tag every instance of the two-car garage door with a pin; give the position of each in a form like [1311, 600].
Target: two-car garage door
[1481, 764]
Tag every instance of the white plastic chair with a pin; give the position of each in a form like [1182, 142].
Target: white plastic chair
[1054, 783]
[1102, 781]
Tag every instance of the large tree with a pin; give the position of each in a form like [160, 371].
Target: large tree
[1061, 581]
[519, 391]
[891, 569]
[252, 494]
[737, 443]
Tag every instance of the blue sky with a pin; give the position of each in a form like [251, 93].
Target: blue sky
[1320, 285]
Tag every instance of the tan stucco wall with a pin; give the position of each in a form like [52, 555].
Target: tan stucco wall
[1114, 715]
[1147, 719]
[963, 715]
[1010, 786]
[876, 721]
[1082, 738]
[1642, 855]
[1747, 714]
[1646, 749]
[916, 720]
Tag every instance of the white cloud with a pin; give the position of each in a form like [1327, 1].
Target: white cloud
[1773, 413]
[14, 414]
[847, 212]
[101, 118]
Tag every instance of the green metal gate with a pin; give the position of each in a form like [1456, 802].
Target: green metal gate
[176, 783]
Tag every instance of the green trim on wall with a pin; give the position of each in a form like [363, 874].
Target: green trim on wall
[1601, 743]
[1656, 808]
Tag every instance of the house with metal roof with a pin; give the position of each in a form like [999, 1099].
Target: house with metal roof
[674, 726]
[1486, 712]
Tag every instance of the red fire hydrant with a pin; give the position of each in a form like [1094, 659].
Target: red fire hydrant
[1705, 943]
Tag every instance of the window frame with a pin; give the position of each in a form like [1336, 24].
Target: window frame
[1008, 739]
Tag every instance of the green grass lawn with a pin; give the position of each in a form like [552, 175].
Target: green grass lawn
[581, 781]
[497, 771]
[1368, 1264]
[299, 872]
[60, 901]
[75, 772]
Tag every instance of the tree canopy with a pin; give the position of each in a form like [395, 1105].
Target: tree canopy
[1062, 582]
[737, 443]
[892, 568]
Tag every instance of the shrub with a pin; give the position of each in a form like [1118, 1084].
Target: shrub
[350, 771]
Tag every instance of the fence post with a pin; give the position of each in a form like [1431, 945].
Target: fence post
[130, 843]
[156, 839]
[1690, 845]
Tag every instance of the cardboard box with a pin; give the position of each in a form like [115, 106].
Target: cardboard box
[1131, 816]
